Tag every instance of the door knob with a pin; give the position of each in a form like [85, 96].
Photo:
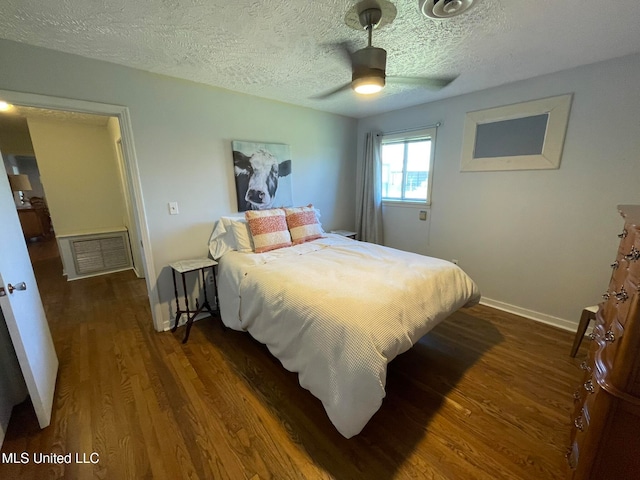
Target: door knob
[18, 286]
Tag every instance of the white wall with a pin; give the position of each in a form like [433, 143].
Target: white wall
[126, 191]
[183, 133]
[79, 172]
[538, 241]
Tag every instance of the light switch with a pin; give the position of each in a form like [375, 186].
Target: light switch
[173, 208]
[423, 214]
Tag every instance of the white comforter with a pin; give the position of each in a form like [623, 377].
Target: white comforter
[337, 311]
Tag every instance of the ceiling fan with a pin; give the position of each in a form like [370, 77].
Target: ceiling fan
[368, 65]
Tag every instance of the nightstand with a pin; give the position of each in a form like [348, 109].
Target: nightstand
[183, 267]
[345, 233]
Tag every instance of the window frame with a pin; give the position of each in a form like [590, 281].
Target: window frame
[405, 137]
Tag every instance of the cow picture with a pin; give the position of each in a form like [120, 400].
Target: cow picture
[263, 175]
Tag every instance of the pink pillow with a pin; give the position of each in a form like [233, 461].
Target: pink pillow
[303, 224]
[268, 229]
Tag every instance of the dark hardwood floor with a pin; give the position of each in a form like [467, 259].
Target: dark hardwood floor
[485, 395]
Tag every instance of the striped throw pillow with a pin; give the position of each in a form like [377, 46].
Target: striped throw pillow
[268, 229]
[303, 224]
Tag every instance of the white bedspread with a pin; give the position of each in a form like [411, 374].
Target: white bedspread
[337, 311]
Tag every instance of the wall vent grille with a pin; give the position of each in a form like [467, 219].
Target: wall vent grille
[100, 254]
[95, 254]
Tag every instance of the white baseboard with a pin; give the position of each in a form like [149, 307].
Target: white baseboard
[168, 324]
[505, 307]
[562, 323]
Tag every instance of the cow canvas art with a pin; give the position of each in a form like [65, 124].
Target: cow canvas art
[263, 175]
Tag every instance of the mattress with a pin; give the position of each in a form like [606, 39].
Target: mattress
[336, 311]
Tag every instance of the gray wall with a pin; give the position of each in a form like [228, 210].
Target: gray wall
[537, 242]
[183, 133]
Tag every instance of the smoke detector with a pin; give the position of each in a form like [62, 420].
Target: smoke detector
[445, 8]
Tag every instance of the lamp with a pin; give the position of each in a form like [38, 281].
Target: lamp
[20, 183]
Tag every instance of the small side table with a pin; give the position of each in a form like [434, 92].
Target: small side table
[345, 233]
[186, 266]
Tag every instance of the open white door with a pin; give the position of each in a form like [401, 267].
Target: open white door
[23, 311]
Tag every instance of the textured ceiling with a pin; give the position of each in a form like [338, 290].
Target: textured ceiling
[16, 118]
[282, 49]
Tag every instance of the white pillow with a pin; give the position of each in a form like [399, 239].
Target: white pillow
[223, 238]
[242, 235]
[228, 219]
[221, 241]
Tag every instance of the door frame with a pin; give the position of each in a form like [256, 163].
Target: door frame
[131, 170]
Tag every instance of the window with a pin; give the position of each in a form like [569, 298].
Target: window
[407, 160]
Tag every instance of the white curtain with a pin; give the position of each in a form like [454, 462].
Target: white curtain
[369, 195]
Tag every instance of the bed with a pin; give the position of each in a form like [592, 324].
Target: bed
[336, 311]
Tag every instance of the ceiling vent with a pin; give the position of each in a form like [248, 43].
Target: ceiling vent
[445, 8]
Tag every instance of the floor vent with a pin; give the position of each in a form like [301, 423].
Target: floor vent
[95, 254]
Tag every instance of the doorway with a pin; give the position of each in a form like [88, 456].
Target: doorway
[28, 191]
[128, 170]
[84, 195]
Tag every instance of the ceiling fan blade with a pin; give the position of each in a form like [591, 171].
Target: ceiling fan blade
[322, 96]
[433, 83]
[345, 52]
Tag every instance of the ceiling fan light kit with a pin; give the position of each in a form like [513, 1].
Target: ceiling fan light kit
[445, 8]
[368, 85]
[369, 64]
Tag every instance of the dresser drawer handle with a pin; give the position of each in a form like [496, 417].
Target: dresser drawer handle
[633, 255]
[588, 386]
[585, 366]
[610, 336]
[569, 452]
[571, 459]
[622, 295]
[579, 423]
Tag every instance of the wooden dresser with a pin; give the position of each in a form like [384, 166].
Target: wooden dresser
[30, 222]
[605, 435]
